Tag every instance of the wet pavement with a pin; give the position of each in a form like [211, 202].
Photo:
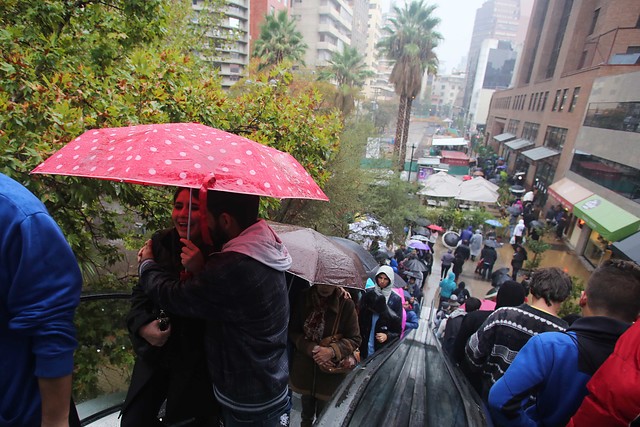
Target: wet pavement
[557, 256]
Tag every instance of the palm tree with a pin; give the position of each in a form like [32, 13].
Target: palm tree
[348, 70]
[410, 41]
[279, 41]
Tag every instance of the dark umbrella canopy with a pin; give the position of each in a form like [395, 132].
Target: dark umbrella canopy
[421, 230]
[319, 259]
[491, 243]
[415, 264]
[368, 261]
[536, 224]
[422, 222]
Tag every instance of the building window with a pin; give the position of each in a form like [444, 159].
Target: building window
[544, 100]
[563, 100]
[624, 116]
[557, 43]
[574, 99]
[594, 21]
[633, 49]
[531, 98]
[555, 137]
[530, 131]
[583, 59]
[512, 126]
[556, 100]
[623, 179]
[536, 101]
[524, 101]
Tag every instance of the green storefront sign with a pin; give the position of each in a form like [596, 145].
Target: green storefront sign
[612, 222]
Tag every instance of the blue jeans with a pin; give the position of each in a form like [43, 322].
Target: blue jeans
[273, 418]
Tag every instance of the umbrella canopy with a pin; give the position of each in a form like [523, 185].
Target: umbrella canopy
[491, 243]
[416, 244]
[517, 189]
[365, 257]
[440, 184]
[480, 182]
[493, 222]
[420, 237]
[478, 194]
[435, 227]
[415, 264]
[369, 227]
[536, 224]
[319, 259]
[421, 230]
[450, 239]
[183, 155]
[422, 222]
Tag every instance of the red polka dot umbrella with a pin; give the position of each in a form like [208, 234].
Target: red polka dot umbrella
[183, 155]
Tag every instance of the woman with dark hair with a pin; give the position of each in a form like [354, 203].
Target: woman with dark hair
[170, 358]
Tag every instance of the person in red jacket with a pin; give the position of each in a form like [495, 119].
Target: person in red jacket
[613, 398]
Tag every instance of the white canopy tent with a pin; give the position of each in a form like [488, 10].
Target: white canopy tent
[478, 194]
[449, 142]
[479, 182]
[440, 184]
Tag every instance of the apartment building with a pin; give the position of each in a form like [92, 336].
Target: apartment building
[325, 26]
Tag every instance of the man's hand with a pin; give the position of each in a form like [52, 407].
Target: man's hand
[153, 335]
[381, 337]
[192, 258]
[146, 252]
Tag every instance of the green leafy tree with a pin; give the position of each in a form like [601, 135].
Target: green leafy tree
[409, 41]
[279, 41]
[349, 72]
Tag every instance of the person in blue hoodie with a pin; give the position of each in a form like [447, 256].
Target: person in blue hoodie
[554, 367]
[241, 294]
[40, 285]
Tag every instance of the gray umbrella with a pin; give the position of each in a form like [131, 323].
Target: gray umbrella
[491, 243]
[415, 264]
[423, 222]
[536, 224]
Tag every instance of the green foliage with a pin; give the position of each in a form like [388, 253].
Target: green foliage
[453, 218]
[279, 41]
[537, 247]
[571, 305]
[104, 357]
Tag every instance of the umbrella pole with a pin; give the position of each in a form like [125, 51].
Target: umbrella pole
[189, 217]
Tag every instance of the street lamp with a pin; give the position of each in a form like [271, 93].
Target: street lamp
[413, 147]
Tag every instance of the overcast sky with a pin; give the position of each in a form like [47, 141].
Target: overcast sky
[456, 25]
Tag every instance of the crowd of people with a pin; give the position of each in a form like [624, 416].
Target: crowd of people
[219, 337]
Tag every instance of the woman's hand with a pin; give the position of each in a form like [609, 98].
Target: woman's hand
[146, 252]
[381, 337]
[322, 355]
[192, 258]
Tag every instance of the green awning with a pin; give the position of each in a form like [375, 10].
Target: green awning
[612, 222]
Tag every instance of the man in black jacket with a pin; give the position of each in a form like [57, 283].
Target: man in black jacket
[241, 293]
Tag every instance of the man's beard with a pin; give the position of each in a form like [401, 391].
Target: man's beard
[218, 236]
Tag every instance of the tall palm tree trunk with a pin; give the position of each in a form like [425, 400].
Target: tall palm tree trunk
[397, 144]
[405, 132]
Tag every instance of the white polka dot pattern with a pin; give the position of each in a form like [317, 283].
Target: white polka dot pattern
[183, 154]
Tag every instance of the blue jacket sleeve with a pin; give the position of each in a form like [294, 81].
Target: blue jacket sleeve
[412, 320]
[45, 291]
[509, 395]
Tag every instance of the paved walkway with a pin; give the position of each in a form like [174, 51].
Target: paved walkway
[558, 256]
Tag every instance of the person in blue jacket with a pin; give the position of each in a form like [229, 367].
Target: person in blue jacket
[40, 285]
[555, 367]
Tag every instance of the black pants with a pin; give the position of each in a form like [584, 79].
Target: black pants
[311, 409]
[487, 270]
[444, 270]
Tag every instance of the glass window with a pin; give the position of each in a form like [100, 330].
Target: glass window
[594, 21]
[623, 116]
[555, 137]
[623, 179]
[594, 250]
[530, 131]
[535, 101]
[563, 100]
[556, 100]
[544, 101]
[574, 99]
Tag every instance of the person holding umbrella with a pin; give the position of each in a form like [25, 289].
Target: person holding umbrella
[170, 356]
[241, 293]
[519, 257]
